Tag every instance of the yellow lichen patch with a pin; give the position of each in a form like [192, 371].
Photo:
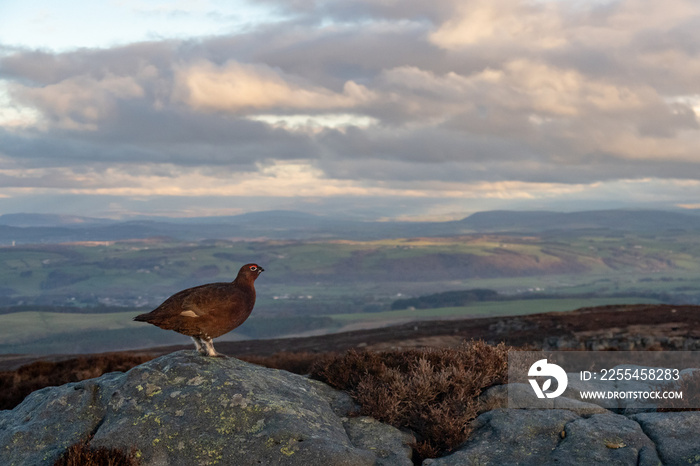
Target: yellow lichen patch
[287, 450]
[614, 444]
[290, 448]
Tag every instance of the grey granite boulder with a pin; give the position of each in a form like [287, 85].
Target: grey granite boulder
[370, 434]
[676, 435]
[552, 436]
[50, 420]
[605, 439]
[510, 436]
[519, 396]
[185, 409]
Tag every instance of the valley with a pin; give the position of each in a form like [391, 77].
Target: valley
[80, 296]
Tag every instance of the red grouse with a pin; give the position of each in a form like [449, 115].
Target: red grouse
[208, 311]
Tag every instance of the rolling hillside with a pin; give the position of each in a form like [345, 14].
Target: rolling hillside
[83, 293]
[47, 228]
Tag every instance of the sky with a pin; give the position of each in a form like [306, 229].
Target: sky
[376, 109]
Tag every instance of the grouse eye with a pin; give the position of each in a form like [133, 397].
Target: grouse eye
[253, 268]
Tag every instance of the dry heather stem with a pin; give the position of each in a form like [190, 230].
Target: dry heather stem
[433, 392]
[80, 454]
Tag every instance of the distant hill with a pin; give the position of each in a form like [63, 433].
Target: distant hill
[290, 225]
[446, 299]
[50, 220]
[621, 219]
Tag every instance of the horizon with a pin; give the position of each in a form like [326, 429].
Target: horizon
[156, 217]
[405, 110]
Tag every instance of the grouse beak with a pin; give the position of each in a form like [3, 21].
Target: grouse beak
[260, 269]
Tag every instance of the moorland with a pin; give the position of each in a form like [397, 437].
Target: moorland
[79, 295]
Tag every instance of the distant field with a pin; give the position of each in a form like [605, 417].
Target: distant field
[142, 273]
[26, 326]
[47, 332]
[491, 309]
[323, 285]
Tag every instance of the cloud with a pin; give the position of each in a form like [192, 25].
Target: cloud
[79, 103]
[538, 25]
[360, 98]
[238, 88]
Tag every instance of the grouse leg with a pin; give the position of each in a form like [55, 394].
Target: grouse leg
[199, 346]
[209, 348]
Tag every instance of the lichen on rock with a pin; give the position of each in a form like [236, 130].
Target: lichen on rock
[184, 409]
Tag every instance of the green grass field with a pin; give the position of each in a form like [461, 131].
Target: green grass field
[489, 309]
[84, 274]
[347, 281]
[48, 332]
[22, 327]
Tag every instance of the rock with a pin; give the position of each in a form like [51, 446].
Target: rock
[521, 397]
[185, 409]
[510, 436]
[370, 434]
[675, 435]
[548, 437]
[622, 340]
[52, 419]
[341, 403]
[605, 439]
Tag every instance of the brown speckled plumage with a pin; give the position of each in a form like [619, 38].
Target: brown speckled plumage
[208, 311]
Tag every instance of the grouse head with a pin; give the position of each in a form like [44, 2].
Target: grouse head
[249, 272]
